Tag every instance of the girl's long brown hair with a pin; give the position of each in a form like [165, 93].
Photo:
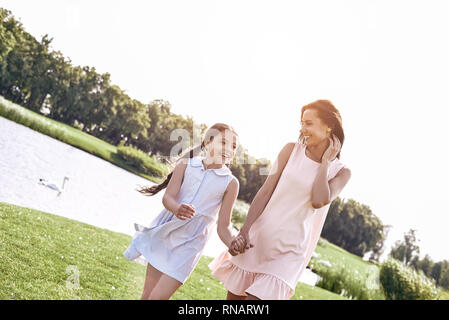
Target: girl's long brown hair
[209, 136]
[329, 115]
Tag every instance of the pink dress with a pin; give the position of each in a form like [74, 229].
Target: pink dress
[284, 235]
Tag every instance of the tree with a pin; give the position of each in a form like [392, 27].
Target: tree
[126, 118]
[426, 265]
[7, 39]
[354, 227]
[436, 272]
[406, 250]
[444, 280]
[163, 124]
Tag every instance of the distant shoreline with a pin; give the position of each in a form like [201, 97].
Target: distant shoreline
[69, 135]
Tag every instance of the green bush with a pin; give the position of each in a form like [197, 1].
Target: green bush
[323, 242]
[239, 213]
[141, 161]
[400, 282]
[348, 283]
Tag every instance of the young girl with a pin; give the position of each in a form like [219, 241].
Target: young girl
[197, 189]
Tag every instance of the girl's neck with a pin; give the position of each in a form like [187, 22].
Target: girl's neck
[208, 164]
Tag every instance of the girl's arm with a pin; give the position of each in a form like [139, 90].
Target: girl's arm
[182, 211]
[264, 194]
[224, 216]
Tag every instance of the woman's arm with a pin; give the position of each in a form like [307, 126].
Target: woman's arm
[182, 211]
[264, 194]
[224, 216]
[324, 192]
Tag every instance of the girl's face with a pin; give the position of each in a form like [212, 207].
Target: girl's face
[312, 128]
[222, 148]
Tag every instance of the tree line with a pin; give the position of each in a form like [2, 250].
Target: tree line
[407, 251]
[45, 81]
[354, 227]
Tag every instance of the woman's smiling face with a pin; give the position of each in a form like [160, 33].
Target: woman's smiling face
[312, 128]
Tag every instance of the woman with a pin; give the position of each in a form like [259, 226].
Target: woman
[287, 214]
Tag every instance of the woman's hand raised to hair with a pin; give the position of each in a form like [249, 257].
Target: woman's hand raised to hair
[185, 211]
[332, 151]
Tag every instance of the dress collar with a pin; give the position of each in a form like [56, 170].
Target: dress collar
[198, 162]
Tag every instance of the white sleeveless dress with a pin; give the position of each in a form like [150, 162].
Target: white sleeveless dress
[174, 246]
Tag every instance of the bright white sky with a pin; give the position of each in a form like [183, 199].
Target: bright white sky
[253, 64]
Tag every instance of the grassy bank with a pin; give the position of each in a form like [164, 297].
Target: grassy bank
[72, 136]
[348, 274]
[357, 277]
[41, 253]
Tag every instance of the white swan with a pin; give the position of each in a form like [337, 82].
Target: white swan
[53, 186]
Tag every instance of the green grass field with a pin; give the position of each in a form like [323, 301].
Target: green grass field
[348, 272]
[359, 270]
[69, 135]
[35, 255]
[342, 259]
[40, 253]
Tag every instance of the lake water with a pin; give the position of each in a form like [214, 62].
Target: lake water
[97, 192]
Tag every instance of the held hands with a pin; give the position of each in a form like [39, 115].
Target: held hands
[239, 244]
[333, 149]
[185, 211]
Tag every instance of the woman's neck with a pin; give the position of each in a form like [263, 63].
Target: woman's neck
[317, 151]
